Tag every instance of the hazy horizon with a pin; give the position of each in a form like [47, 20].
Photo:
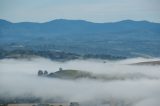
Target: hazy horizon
[82, 20]
[95, 11]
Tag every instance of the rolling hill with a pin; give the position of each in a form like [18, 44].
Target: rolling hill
[124, 38]
[70, 74]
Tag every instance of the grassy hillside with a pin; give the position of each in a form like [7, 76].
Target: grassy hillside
[77, 74]
[70, 74]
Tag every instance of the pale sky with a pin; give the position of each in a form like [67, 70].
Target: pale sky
[90, 10]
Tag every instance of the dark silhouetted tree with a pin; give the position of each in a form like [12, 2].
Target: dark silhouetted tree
[40, 73]
[45, 72]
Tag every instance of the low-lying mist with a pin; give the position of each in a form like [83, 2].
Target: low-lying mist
[139, 86]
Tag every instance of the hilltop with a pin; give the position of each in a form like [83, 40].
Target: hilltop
[70, 74]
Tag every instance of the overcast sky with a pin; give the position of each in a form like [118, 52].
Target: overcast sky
[91, 10]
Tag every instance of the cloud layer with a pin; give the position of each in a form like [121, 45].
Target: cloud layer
[19, 78]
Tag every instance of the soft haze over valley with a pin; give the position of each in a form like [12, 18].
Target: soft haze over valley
[79, 53]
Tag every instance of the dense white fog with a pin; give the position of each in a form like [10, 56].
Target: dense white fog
[140, 86]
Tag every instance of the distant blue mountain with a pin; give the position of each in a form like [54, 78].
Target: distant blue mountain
[124, 37]
[127, 28]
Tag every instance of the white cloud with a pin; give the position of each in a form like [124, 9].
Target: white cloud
[19, 77]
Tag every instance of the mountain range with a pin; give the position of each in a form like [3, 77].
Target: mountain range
[124, 38]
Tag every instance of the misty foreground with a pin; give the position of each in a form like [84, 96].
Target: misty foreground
[102, 83]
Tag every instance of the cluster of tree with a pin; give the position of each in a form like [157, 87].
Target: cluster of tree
[103, 56]
[25, 53]
[42, 73]
[46, 74]
[54, 55]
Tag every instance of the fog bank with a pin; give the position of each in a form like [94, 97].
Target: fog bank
[19, 78]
